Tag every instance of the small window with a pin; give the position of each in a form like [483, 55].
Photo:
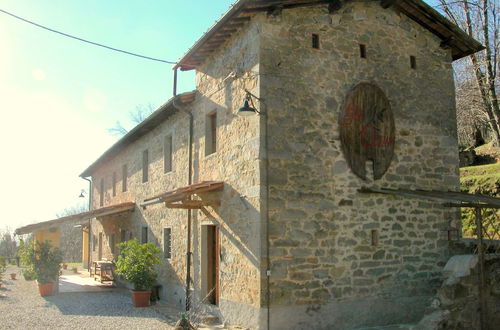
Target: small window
[315, 41]
[375, 238]
[130, 236]
[144, 236]
[413, 62]
[114, 184]
[362, 51]
[124, 178]
[112, 243]
[167, 154]
[94, 243]
[145, 165]
[101, 192]
[211, 134]
[167, 242]
[123, 235]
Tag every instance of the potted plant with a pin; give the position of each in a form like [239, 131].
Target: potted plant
[136, 264]
[13, 276]
[65, 266]
[46, 261]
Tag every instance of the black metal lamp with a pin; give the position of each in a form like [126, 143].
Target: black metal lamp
[246, 109]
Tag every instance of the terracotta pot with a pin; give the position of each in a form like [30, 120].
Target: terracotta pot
[141, 298]
[13, 276]
[45, 289]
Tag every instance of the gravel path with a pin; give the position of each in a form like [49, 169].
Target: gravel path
[21, 307]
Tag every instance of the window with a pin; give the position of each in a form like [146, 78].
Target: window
[101, 192]
[145, 165]
[144, 236]
[112, 243]
[167, 242]
[114, 184]
[123, 235]
[374, 234]
[315, 41]
[413, 62]
[211, 134]
[167, 154]
[94, 243]
[124, 178]
[362, 51]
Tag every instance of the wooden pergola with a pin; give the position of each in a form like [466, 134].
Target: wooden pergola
[181, 198]
[455, 199]
[111, 210]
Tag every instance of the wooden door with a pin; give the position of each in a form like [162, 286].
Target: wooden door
[213, 252]
[99, 252]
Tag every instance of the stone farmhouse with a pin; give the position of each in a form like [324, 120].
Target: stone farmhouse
[274, 220]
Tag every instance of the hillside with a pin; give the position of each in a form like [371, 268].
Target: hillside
[485, 180]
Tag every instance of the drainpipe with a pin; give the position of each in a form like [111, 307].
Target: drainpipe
[90, 222]
[268, 266]
[189, 214]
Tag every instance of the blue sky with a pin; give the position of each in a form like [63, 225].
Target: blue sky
[58, 96]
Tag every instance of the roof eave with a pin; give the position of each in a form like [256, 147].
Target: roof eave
[141, 129]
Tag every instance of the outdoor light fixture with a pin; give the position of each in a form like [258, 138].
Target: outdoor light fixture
[246, 109]
[82, 193]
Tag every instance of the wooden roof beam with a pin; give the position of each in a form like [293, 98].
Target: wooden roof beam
[387, 3]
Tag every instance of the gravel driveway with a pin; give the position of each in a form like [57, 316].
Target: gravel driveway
[21, 307]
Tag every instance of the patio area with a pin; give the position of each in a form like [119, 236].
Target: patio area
[82, 282]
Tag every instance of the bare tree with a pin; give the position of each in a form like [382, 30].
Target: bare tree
[8, 244]
[481, 20]
[137, 116]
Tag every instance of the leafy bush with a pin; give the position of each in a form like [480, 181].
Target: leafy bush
[3, 266]
[46, 261]
[136, 263]
[27, 267]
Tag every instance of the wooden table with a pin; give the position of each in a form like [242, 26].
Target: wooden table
[104, 269]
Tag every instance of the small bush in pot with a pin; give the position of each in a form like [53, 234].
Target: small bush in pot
[46, 260]
[136, 264]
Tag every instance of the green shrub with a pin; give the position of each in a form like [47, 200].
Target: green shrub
[136, 263]
[3, 266]
[46, 260]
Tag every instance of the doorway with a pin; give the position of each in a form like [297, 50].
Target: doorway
[210, 267]
[99, 252]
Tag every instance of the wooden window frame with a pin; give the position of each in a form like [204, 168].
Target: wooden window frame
[167, 154]
[101, 192]
[315, 41]
[114, 184]
[144, 235]
[124, 177]
[211, 134]
[362, 51]
[145, 166]
[167, 242]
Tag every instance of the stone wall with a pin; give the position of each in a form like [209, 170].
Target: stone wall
[323, 260]
[236, 162]
[457, 304]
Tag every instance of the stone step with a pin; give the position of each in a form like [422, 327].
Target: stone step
[389, 327]
[210, 320]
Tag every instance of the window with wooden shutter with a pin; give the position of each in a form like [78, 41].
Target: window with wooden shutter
[167, 242]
